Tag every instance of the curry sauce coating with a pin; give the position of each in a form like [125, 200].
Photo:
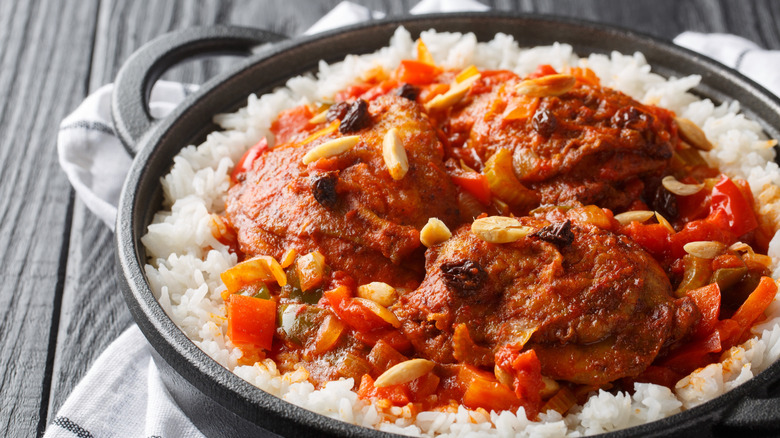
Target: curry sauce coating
[348, 206]
[600, 307]
[591, 144]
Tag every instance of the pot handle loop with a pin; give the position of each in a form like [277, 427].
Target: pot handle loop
[133, 84]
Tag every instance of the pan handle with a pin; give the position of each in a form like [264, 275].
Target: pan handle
[133, 84]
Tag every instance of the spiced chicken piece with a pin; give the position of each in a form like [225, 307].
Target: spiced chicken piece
[590, 144]
[348, 206]
[598, 306]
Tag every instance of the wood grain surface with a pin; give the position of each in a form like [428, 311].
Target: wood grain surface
[60, 303]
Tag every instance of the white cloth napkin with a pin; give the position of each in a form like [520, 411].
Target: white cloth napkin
[122, 394]
[747, 57]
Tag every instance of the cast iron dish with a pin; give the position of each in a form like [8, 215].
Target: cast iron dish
[219, 402]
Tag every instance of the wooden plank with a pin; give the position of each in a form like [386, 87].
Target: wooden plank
[754, 19]
[45, 62]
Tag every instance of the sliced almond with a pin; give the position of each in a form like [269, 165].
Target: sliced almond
[681, 189]
[275, 269]
[379, 311]
[704, 249]
[550, 387]
[457, 91]
[550, 85]
[404, 372]
[503, 376]
[331, 148]
[500, 229]
[297, 376]
[467, 73]
[741, 247]
[331, 128]
[634, 216]
[423, 54]
[662, 220]
[321, 117]
[395, 155]
[692, 134]
[434, 232]
[378, 292]
[757, 259]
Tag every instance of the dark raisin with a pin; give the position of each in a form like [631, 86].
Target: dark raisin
[544, 122]
[559, 234]
[408, 91]
[337, 111]
[356, 118]
[626, 117]
[323, 188]
[463, 277]
[664, 202]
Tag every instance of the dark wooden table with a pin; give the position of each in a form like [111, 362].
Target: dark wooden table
[60, 304]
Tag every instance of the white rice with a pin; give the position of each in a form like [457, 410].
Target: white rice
[186, 260]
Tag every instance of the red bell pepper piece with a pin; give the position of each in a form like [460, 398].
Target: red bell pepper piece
[755, 304]
[527, 372]
[542, 70]
[396, 394]
[380, 89]
[245, 163]
[729, 332]
[391, 336]
[251, 321]
[654, 238]
[699, 230]
[729, 208]
[694, 355]
[290, 123]
[417, 72]
[655, 374]
[352, 312]
[707, 299]
[474, 183]
[482, 390]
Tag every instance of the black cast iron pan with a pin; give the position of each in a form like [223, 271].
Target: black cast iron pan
[222, 404]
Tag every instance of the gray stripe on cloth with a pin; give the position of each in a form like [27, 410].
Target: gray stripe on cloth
[70, 426]
[91, 126]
